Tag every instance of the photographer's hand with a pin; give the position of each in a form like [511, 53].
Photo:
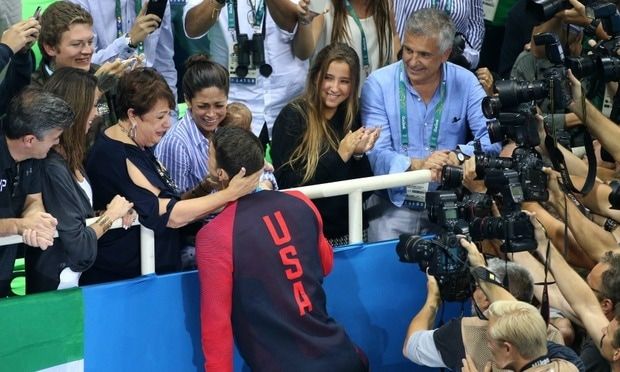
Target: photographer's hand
[432, 287]
[576, 104]
[542, 133]
[425, 318]
[540, 233]
[556, 195]
[474, 256]
[436, 161]
[576, 15]
[485, 77]
[469, 177]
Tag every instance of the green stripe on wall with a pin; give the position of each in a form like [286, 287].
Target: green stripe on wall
[42, 330]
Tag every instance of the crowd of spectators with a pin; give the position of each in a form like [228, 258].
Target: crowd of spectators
[289, 95]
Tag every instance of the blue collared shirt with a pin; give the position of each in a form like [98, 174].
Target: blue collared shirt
[462, 111]
[184, 151]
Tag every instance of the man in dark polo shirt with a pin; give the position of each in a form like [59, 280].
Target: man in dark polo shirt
[33, 125]
[261, 264]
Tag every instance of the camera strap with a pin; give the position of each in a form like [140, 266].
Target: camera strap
[544, 303]
[484, 274]
[365, 59]
[119, 20]
[257, 23]
[557, 158]
[404, 124]
[559, 164]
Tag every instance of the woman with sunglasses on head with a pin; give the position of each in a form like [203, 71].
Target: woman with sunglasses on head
[122, 161]
[317, 137]
[67, 193]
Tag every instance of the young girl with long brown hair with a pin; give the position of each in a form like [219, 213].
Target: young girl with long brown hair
[317, 138]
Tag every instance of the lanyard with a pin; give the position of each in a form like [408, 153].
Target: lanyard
[365, 61]
[233, 18]
[404, 126]
[119, 21]
[448, 7]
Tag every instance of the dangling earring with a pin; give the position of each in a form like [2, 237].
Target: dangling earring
[132, 131]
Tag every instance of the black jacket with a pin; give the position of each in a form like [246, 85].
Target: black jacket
[76, 245]
[16, 76]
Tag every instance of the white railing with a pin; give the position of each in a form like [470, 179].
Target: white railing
[354, 188]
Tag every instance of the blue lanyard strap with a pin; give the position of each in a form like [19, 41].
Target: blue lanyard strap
[259, 14]
[119, 20]
[232, 16]
[233, 22]
[447, 8]
[365, 60]
[404, 125]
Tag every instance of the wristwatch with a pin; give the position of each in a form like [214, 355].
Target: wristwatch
[128, 40]
[460, 156]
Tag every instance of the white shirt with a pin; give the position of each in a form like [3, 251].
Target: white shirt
[268, 96]
[421, 350]
[372, 41]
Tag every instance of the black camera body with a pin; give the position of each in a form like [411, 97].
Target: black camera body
[514, 226]
[544, 10]
[517, 179]
[475, 205]
[443, 210]
[607, 12]
[442, 255]
[554, 85]
[515, 229]
[529, 165]
[445, 259]
[522, 174]
[251, 50]
[603, 64]
[520, 126]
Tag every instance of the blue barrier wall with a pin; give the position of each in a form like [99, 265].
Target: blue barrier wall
[152, 323]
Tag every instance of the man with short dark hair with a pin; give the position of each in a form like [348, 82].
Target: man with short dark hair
[261, 264]
[32, 126]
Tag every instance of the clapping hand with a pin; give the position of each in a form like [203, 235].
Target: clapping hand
[367, 140]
